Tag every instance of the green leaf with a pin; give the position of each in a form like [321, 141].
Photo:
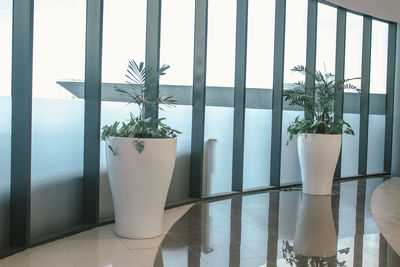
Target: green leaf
[112, 150]
[139, 145]
[319, 100]
[139, 79]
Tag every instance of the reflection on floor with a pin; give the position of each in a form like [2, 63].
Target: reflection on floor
[276, 228]
[96, 247]
[281, 229]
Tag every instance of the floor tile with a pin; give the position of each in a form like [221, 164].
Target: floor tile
[50, 255]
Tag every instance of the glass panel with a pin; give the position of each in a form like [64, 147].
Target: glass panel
[295, 54]
[218, 132]
[57, 116]
[289, 210]
[350, 146]
[5, 117]
[120, 43]
[347, 210]
[377, 102]
[369, 223]
[258, 115]
[371, 237]
[119, 46]
[177, 35]
[379, 49]
[326, 38]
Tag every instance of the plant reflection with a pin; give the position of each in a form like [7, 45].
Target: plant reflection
[298, 260]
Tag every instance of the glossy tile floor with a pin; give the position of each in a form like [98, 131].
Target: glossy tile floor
[96, 247]
[283, 228]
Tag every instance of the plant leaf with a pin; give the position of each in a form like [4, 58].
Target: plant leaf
[139, 145]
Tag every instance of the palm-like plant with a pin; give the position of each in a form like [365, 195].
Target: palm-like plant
[140, 79]
[319, 101]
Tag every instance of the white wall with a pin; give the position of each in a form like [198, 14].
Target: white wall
[384, 9]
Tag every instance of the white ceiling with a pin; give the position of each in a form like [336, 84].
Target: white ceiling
[384, 9]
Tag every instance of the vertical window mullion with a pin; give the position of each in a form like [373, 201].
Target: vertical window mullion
[93, 58]
[21, 123]
[153, 25]
[312, 18]
[199, 94]
[239, 95]
[391, 70]
[364, 101]
[339, 70]
[277, 100]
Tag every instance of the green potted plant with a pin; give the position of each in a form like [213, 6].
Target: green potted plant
[319, 139]
[140, 156]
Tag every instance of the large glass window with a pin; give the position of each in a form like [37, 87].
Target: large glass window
[377, 103]
[351, 113]
[259, 78]
[326, 38]
[177, 35]
[5, 117]
[121, 43]
[295, 54]
[57, 116]
[218, 132]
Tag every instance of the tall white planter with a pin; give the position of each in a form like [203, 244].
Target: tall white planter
[318, 155]
[139, 184]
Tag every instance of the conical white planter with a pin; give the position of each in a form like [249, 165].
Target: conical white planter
[139, 184]
[315, 229]
[318, 155]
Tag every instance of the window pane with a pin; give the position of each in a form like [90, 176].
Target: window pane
[350, 145]
[5, 117]
[326, 38]
[57, 116]
[218, 132]
[295, 54]
[377, 103]
[121, 43]
[379, 49]
[177, 35]
[258, 114]
[295, 38]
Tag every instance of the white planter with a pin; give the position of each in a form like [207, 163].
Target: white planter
[315, 229]
[139, 184]
[318, 155]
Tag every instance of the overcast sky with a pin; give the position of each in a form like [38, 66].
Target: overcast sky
[59, 42]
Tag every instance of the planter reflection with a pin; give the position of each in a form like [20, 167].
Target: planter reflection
[315, 241]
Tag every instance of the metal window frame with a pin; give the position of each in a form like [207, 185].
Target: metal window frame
[199, 99]
[390, 85]
[239, 95]
[277, 93]
[339, 71]
[21, 123]
[364, 99]
[153, 29]
[93, 64]
[311, 50]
